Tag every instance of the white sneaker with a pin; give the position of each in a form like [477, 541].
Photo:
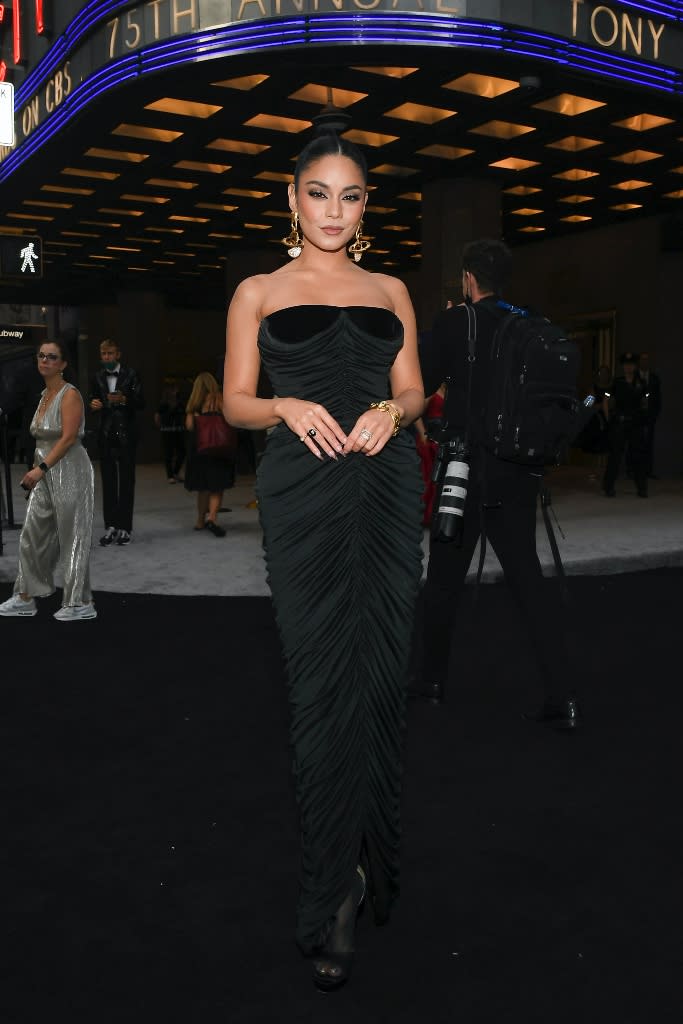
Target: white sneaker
[69, 613]
[16, 606]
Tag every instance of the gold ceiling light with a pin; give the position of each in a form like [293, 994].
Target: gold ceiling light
[409, 242]
[29, 216]
[100, 223]
[238, 146]
[189, 220]
[521, 190]
[531, 228]
[120, 213]
[627, 206]
[486, 86]
[221, 207]
[70, 245]
[81, 172]
[413, 197]
[171, 183]
[394, 170]
[209, 266]
[157, 200]
[121, 248]
[167, 231]
[258, 227]
[141, 131]
[278, 123]
[568, 104]
[220, 234]
[501, 129]
[643, 122]
[575, 174]
[573, 144]
[378, 209]
[275, 176]
[146, 241]
[184, 108]
[79, 234]
[420, 112]
[116, 154]
[387, 72]
[445, 152]
[526, 211]
[514, 163]
[94, 257]
[204, 168]
[165, 263]
[636, 156]
[576, 199]
[395, 227]
[144, 270]
[678, 194]
[203, 245]
[250, 193]
[676, 170]
[169, 253]
[631, 185]
[375, 139]
[68, 191]
[42, 202]
[245, 84]
[312, 93]
[285, 214]
[576, 218]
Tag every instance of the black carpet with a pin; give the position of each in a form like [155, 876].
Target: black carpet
[151, 834]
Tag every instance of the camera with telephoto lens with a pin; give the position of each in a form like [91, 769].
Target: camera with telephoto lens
[451, 471]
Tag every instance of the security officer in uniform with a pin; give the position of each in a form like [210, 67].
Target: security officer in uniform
[627, 426]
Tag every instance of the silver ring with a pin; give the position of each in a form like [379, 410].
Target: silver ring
[312, 432]
[366, 434]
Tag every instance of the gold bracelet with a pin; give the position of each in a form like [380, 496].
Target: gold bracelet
[393, 412]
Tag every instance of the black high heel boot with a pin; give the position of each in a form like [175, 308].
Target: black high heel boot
[332, 966]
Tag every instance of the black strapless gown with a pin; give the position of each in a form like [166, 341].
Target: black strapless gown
[344, 558]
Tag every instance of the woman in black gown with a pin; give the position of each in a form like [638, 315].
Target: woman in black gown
[339, 491]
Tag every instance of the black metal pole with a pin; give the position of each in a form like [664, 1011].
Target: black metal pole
[4, 455]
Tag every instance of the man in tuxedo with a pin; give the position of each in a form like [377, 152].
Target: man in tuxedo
[116, 397]
[652, 407]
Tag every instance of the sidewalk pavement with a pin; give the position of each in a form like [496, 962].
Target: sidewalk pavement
[167, 556]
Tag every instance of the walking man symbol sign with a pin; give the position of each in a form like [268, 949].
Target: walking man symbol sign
[28, 255]
[21, 256]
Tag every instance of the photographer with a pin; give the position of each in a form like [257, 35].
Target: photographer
[500, 496]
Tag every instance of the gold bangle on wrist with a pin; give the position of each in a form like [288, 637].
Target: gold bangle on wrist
[393, 412]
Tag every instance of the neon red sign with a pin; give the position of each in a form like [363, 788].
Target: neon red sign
[16, 28]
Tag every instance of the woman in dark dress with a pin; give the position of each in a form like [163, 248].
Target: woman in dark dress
[207, 475]
[339, 493]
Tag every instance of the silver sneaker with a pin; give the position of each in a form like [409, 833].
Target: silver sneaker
[16, 606]
[70, 613]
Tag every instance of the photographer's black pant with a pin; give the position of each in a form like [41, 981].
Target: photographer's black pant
[509, 519]
[118, 488]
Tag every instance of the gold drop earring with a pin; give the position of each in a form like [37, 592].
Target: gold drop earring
[360, 245]
[295, 240]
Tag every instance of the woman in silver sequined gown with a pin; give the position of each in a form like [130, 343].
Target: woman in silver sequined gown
[59, 514]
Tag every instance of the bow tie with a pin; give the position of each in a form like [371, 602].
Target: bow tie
[112, 373]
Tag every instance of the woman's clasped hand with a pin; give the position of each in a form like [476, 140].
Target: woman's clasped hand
[322, 435]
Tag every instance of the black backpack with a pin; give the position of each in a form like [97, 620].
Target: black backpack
[532, 409]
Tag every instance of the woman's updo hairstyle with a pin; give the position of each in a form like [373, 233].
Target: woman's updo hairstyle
[326, 142]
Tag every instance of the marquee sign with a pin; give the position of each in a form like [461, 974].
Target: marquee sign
[641, 43]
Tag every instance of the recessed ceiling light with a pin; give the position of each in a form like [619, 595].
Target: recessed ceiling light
[388, 72]
[631, 185]
[501, 129]
[526, 211]
[79, 234]
[678, 194]
[394, 170]
[251, 193]
[29, 216]
[486, 86]
[68, 191]
[575, 174]
[146, 241]
[395, 227]
[529, 228]
[245, 84]
[576, 199]
[375, 139]
[157, 200]
[169, 253]
[318, 94]
[43, 202]
[141, 131]
[165, 263]
[627, 206]
[676, 170]
[420, 112]
[121, 248]
[643, 122]
[167, 231]
[219, 234]
[575, 218]
[568, 104]
[276, 123]
[190, 220]
[521, 190]
[100, 223]
[514, 163]
[285, 214]
[222, 207]
[120, 213]
[275, 176]
[573, 144]
[238, 146]
[258, 227]
[171, 183]
[81, 172]
[184, 108]
[70, 245]
[94, 257]
[445, 152]
[116, 154]
[636, 156]
[198, 165]
[413, 197]
[409, 241]
[380, 209]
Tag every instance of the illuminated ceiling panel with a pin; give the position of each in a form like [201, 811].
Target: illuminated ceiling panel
[526, 211]
[140, 131]
[529, 228]
[68, 191]
[486, 86]
[575, 218]
[521, 190]
[678, 194]
[420, 112]
[363, 138]
[636, 156]
[248, 192]
[575, 174]
[627, 206]
[117, 154]
[576, 199]
[237, 146]
[171, 183]
[42, 202]
[643, 122]
[275, 176]
[632, 185]
[120, 213]
[514, 163]
[276, 123]
[245, 84]
[189, 220]
[80, 172]
[501, 129]
[156, 200]
[574, 143]
[204, 168]
[445, 152]
[184, 108]
[320, 94]
[222, 207]
[394, 170]
[387, 72]
[568, 104]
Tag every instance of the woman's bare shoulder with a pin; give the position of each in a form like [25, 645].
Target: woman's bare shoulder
[392, 286]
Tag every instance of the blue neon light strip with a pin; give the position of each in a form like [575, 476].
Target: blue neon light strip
[376, 27]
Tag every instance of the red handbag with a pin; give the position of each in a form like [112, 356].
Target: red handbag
[214, 436]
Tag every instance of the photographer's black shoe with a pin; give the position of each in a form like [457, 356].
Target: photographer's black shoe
[563, 715]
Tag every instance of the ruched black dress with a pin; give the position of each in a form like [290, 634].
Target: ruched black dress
[344, 558]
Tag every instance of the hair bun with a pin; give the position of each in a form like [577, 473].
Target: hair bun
[330, 121]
